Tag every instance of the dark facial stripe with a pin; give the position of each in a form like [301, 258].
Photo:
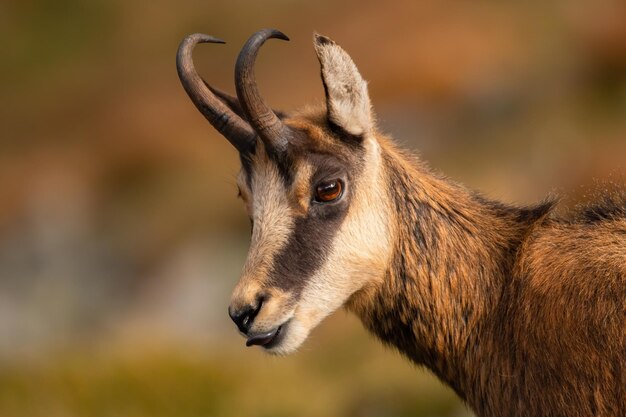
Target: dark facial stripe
[246, 164]
[308, 246]
[311, 240]
[285, 160]
[312, 237]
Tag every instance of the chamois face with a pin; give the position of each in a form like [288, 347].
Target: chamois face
[314, 188]
[318, 211]
[308, 255]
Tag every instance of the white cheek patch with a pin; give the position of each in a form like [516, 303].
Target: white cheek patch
[273, 221]
[360, 250]
[359, 253]
[272, 216]
[274, 211]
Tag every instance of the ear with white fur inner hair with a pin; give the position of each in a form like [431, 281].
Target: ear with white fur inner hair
[347, 99]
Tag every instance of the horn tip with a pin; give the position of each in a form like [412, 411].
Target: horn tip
[210, 39]
[202, 38]
[277, 34]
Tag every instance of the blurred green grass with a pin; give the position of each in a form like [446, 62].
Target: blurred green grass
[175, 383]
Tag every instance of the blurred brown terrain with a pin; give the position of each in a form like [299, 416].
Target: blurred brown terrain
[120, 233]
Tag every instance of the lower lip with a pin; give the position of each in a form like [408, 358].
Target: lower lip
[277, 338]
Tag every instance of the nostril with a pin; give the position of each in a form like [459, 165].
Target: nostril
[243, 318]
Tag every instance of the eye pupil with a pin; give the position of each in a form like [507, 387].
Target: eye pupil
[328, 191]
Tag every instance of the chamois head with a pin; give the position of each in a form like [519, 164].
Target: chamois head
[313, 186]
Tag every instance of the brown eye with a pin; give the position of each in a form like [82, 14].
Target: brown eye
[328, 191]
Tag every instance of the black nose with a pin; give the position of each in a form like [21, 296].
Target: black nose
[244, 317]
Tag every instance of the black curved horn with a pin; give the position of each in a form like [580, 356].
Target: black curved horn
[260, 116]
[229, 124]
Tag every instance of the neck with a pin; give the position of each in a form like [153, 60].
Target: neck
[453, 252]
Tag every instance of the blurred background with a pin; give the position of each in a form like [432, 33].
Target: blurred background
[120, 232]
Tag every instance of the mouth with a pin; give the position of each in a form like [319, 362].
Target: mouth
[269, 339]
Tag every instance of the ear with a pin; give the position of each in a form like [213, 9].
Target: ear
[347, 99]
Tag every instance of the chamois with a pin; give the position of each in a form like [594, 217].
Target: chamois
[521, 311]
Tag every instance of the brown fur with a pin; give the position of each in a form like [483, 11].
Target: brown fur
[521, 313]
